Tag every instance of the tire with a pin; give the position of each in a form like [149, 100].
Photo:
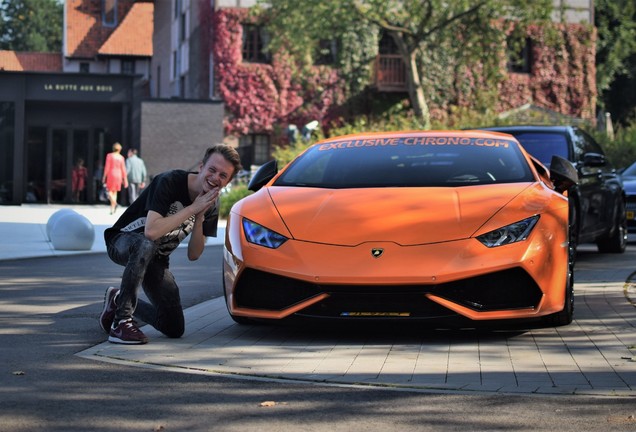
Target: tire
[573, 226]
[241, 320]
[616, 240]
[565, 316]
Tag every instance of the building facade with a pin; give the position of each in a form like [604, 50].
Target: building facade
[62, 108]
[49, 121]
[58, 108]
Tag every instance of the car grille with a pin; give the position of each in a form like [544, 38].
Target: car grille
[508, 289]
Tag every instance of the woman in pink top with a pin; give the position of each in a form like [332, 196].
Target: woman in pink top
[114, 175]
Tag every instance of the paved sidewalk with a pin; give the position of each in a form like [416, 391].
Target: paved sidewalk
[23, 229]
[596, 355]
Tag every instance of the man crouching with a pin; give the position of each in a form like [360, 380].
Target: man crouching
[176, 204]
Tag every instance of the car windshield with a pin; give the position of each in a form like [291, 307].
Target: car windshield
[630, 171]
[543, 145]
[408, 161]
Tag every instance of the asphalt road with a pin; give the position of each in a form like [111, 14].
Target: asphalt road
[49, 309]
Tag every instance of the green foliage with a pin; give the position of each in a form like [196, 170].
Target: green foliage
[285, 153]
[359, 47]
[616, 57]
[228, 199]
[456, 33]
[621, 151]
[615, 21]
[31, 25]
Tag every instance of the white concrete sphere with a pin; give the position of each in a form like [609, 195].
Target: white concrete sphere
[72, 231]
[53, 218]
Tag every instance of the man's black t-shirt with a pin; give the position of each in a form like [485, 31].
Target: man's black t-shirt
[166, 195]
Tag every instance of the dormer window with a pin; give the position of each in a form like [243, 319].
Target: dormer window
[109, 13]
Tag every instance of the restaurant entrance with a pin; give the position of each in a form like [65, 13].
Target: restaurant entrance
[52, 124]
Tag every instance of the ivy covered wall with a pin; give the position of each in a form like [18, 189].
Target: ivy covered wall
[261, 97]
[562, 78]
[265, 98]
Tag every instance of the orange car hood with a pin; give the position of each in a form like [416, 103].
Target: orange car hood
[406, 216]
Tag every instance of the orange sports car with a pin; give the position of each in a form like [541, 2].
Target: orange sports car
[404, 225]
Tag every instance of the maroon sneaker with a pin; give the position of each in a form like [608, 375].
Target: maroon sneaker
[126, 332]
[108, 313]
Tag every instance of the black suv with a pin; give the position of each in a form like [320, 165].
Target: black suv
[597, 202]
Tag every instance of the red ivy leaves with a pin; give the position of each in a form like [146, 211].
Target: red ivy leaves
[260, 96]
[562, 78]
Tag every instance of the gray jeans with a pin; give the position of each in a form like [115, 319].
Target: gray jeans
[146, 268]
[133, 192]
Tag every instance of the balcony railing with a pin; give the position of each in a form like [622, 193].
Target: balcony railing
[390, 73]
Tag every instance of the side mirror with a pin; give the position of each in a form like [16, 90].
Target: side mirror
[264, 174]
[562, 174]
[594, 160]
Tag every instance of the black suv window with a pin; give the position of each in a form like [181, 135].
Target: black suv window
[542, 145]
[583, 143]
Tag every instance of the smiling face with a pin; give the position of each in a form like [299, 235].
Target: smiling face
[215, 173]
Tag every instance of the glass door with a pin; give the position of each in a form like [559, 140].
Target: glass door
[35, 160]
[59, 182]
[56, 165]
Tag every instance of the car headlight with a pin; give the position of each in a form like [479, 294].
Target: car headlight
[512, 233]
[258, 234]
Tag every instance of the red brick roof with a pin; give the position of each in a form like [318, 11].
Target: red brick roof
[134, 35]
[30, 61]
[86, 36]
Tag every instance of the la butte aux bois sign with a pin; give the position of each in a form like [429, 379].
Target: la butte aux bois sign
[98, 88]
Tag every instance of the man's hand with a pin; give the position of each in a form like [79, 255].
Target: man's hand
[200, 205]
[204, 201]
[157, 225]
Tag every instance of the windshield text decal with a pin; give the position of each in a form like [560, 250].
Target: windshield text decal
[415, 141]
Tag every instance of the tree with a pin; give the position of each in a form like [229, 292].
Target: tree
[31, 25]
[466, 29]
[616, 55]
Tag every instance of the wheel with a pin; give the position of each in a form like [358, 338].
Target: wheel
[241, 320]
[565, 316]
[616, 240]
[573, 224]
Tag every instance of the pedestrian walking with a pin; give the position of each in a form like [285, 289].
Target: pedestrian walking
[174, 205]
[136, 169]
[78, 180]
[114, 175]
